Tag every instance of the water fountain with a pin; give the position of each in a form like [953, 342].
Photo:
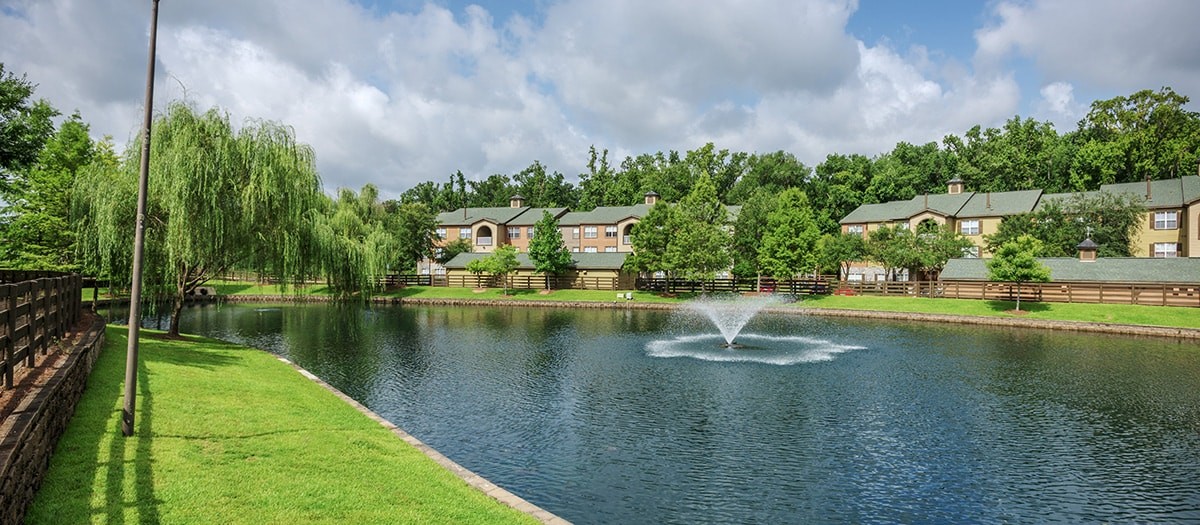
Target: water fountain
[730, 313]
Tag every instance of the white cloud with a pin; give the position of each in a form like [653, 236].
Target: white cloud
[1109, 44]
[396, 98]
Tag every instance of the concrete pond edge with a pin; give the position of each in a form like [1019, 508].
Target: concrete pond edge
[472, 479]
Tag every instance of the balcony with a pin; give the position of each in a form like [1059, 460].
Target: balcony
[483, 241]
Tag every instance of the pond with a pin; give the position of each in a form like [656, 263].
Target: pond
[629, 416]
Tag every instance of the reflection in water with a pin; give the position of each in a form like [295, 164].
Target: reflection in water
[582, 412]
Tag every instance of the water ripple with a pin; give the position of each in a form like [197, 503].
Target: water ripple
[755, 348]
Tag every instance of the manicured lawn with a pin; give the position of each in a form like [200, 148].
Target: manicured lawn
[1172, 316]
[227, 434]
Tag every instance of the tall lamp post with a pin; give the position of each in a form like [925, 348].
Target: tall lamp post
[135, 294]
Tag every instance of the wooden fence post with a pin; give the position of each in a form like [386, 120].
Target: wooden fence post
[11, 341]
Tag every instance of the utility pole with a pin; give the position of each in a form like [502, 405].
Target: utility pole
[135, 295]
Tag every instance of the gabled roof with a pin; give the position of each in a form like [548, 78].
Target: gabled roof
[1170, 193]
[580, 261]
[1000, 203]
[1107, 269]
[530, 217]
[942, 204]
[604, 215]
[469, 216]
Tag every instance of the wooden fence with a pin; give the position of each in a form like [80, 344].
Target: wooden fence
[533, 282]
[1153, 294]
[36, 309]
[790, 286]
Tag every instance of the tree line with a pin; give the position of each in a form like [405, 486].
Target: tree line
[251, 199]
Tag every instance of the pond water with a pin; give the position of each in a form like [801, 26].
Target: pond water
[615, 416]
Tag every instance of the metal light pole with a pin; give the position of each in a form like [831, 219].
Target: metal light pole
[135, 294]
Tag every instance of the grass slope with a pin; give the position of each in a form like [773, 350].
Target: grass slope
[226, 434]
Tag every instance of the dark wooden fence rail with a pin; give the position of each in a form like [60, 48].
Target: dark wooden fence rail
[36, 310]
[790, 286]
[1153, 294]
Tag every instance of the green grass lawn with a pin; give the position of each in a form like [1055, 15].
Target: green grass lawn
[1172, 316]
[226, 434]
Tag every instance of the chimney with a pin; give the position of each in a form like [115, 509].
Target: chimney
[1087, 250]
[651, 198]
[955, 186]
[927, 201]
[989, 200]
[1148, 194]
[516, 201]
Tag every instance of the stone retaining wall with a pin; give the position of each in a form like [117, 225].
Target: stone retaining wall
[29, 434]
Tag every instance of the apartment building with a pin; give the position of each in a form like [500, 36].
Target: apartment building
[606, 229]
[1172, 227]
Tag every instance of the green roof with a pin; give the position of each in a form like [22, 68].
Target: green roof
[469, 216]
[531, 216]
[1000, 203]
[1169, 193]
[581, 261]
[1106, 269]
[604, 215]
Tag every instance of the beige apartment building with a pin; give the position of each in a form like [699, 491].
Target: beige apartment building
[1171, 227]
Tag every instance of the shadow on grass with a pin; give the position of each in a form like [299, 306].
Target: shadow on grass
[1026, 306]
[232, 288]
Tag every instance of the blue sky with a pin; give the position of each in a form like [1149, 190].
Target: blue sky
[395, 92]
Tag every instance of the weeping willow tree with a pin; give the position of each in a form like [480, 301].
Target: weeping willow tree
[355, 237]
[218, 199]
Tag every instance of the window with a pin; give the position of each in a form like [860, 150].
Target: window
[439, 271]
[589, 232]
[575, 249]
[970, 227]
[610, 232]
[902, 225]
[1166, 249]
[1166, 220]
[464, 233]
[514, 232]
[856, 229]
[531, 232]
[610, 249]
[589, 249]
[575, 233]
[441, 233]
[971, 252]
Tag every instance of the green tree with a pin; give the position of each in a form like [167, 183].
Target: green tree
[25, 125]
[356, 241]
[35, 226]
[1016, 261]
[933, 247]
[547, 250]
[650, 239]
[415, 225]
[218, 200]
[837, 251]
[748, 230]
[451, 250]
[1152, 136]
[790, 240]
[502, 262]
[1111, 220]
[700, 246]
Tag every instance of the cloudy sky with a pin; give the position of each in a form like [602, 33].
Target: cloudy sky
[395, 92]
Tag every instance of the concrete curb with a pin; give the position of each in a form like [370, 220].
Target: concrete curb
[474, 480]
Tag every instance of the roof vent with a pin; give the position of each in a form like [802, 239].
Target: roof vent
[651, 198]
[1087, 250]
[955, 186]
[516, 201]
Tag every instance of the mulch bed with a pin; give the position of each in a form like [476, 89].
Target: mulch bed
[27, 379]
